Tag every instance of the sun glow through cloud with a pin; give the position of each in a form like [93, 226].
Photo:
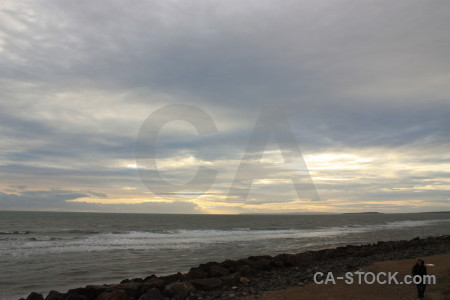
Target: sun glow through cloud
[367, 101]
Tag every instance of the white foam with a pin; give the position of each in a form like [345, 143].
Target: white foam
[186, 239]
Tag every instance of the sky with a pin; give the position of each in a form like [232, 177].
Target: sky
[225, 107]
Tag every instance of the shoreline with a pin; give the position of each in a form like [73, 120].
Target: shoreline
[255, 275]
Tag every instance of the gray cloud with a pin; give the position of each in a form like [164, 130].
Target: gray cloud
[77, 79]
[55, 200]
[40, 199]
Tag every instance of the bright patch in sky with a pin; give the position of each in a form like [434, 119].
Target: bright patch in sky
[365, 90]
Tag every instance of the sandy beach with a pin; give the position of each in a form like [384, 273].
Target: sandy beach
[438, 265]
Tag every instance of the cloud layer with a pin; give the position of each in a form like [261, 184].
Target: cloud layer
[365, 87]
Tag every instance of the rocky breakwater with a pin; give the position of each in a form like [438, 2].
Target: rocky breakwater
[253, 275]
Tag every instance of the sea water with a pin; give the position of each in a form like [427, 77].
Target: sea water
[41, 251]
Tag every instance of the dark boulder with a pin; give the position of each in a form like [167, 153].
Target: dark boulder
[294, 260]
[384, 246]
[207, 266]
[179, 290]
[277, 263]
[218, 271]
[366, 251]
[98, 288]
[89, 293]
[401, 245]
[132, 289]
[196, 273]
[246, 270]
[35, 296]
[73, 296]
[207, 284]
[54, 295]
[171, 278]
[152, 294]
[230, 279]
[150, 277]
[231, 265]
[153, 283]
[260, 262]
[132, 280]
[114, 295]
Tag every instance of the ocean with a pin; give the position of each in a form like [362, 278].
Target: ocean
[41, 251]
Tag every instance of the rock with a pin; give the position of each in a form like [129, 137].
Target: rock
[230, 279]
[245, 270]
[98, 288]
[348, 250]
[171, 278]
[306, 259]
[54, 295]
[136, 280]
[277, 263]
[153, 283]
[261, 262]
[244, 280]
[207, 266]
[230, 264]
[179, 290]
[152, 294]
[73, 296]
[333, 253]
[132, 289]
[291, 260]
[218, 271]
[402, 245]
[114, 295]
[366, 251]
[88, 292]
[35, 296]
[150, 277]
[207, 284]
[196, 273]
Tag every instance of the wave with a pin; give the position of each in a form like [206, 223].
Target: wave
[189, 239]
[77, 231]
[63, 231]
[14, 232]
[45, 238]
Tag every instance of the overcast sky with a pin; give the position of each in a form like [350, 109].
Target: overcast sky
[350, 98]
